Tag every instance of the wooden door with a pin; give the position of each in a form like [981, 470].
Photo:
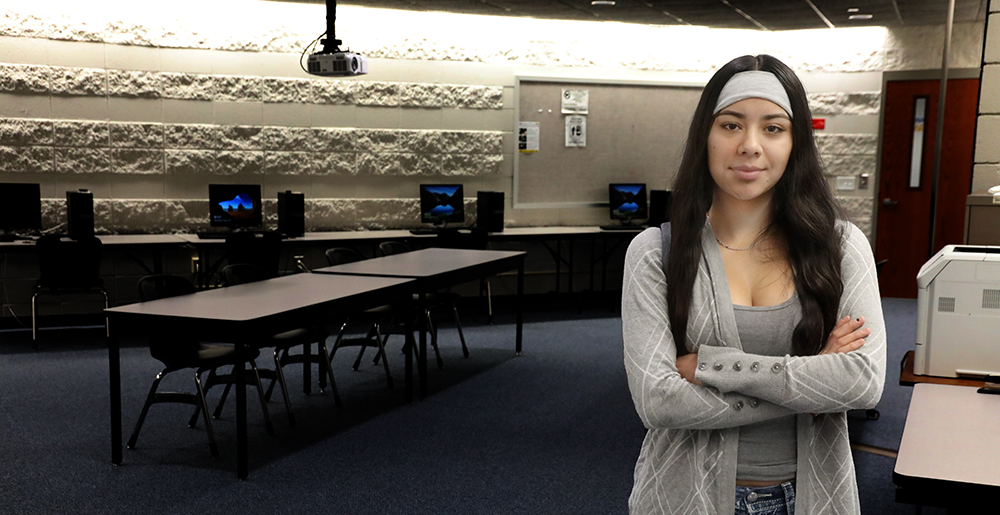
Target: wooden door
[904, 201]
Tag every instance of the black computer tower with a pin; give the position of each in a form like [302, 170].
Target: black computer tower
[291, 214]
[659, 207]
[489, 211]
[79, 214]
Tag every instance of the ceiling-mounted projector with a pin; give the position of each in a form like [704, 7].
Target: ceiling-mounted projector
[337, 64]
[331, 61]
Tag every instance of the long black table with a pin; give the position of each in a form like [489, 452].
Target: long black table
[434, 269]
[238, 314]
[551, 238]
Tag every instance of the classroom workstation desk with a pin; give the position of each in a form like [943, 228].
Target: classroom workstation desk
[551, 238]
[239, 314]
[434, 269]
[610, 241]
[949, 455]
[316, 238]
[126, 244]
[206, 246]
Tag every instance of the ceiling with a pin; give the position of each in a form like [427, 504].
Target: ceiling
[732, 14]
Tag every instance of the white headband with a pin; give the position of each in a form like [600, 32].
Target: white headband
[753, 84]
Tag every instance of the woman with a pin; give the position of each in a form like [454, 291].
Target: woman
[744, 356]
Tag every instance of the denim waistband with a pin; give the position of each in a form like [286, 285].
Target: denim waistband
[766, 499]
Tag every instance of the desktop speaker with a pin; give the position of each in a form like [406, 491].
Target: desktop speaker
[659, 207]
[489, 211]
[291, 214]
[79, 214]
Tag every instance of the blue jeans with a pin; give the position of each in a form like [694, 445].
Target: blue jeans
[766, 500]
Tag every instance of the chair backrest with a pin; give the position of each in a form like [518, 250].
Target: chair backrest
[242, 273]
[257, 248]
[162, 286]
[69, 263]
[388, 248]
[340, 255]
[476, 239]
[168, 348]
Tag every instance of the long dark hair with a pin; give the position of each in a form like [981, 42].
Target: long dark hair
[803, 212]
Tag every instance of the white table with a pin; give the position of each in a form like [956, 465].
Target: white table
[950, 450]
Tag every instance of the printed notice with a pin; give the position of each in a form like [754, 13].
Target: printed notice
[527, 136]
[576, 131]
[575, 101]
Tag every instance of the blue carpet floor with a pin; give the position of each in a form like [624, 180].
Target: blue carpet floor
[550, 432]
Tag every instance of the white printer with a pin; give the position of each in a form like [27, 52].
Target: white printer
[958, 313]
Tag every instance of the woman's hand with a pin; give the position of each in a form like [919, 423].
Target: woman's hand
[846, 336]
[686, 366]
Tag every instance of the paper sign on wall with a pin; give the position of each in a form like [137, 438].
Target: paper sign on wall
[527, 136]
[575, 101]
[576, 131]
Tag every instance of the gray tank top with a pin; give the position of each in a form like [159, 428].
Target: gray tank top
[767, 449]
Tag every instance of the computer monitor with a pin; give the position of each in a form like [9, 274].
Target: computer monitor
[628, 202]
[441, 204]
[20, 207]
[235, 205]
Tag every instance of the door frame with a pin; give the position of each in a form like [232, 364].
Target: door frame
[933, 74]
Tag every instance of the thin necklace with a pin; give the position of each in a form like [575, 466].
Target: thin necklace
[756, 242]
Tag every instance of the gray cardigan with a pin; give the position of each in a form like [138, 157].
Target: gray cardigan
[687, 463]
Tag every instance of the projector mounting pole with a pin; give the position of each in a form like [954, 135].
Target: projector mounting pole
[331, 44]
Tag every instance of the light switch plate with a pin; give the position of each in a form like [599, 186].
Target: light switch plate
[845, 183]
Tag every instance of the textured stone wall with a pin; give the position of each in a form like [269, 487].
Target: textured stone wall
[850, 155]
[987, 158]
[31, 146]
[59, 80]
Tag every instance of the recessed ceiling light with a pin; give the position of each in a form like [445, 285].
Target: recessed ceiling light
[860, 17]
[602, 2]
[853, 9]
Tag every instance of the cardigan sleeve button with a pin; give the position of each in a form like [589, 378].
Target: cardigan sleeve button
[737, 366]
[754, 403]
[755, 366]
[702, 366]
[718, 366]
[776, 368]
[738, 405]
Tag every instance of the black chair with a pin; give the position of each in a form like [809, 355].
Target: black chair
[260, 248]
[283, 342]
[375, 317]
[179, 352]
[432, 301]
[66, 266]
[473, 239]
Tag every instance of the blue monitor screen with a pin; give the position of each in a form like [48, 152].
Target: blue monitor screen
[20, 207]
[442, 203]
[628, 201]
[235, 205]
